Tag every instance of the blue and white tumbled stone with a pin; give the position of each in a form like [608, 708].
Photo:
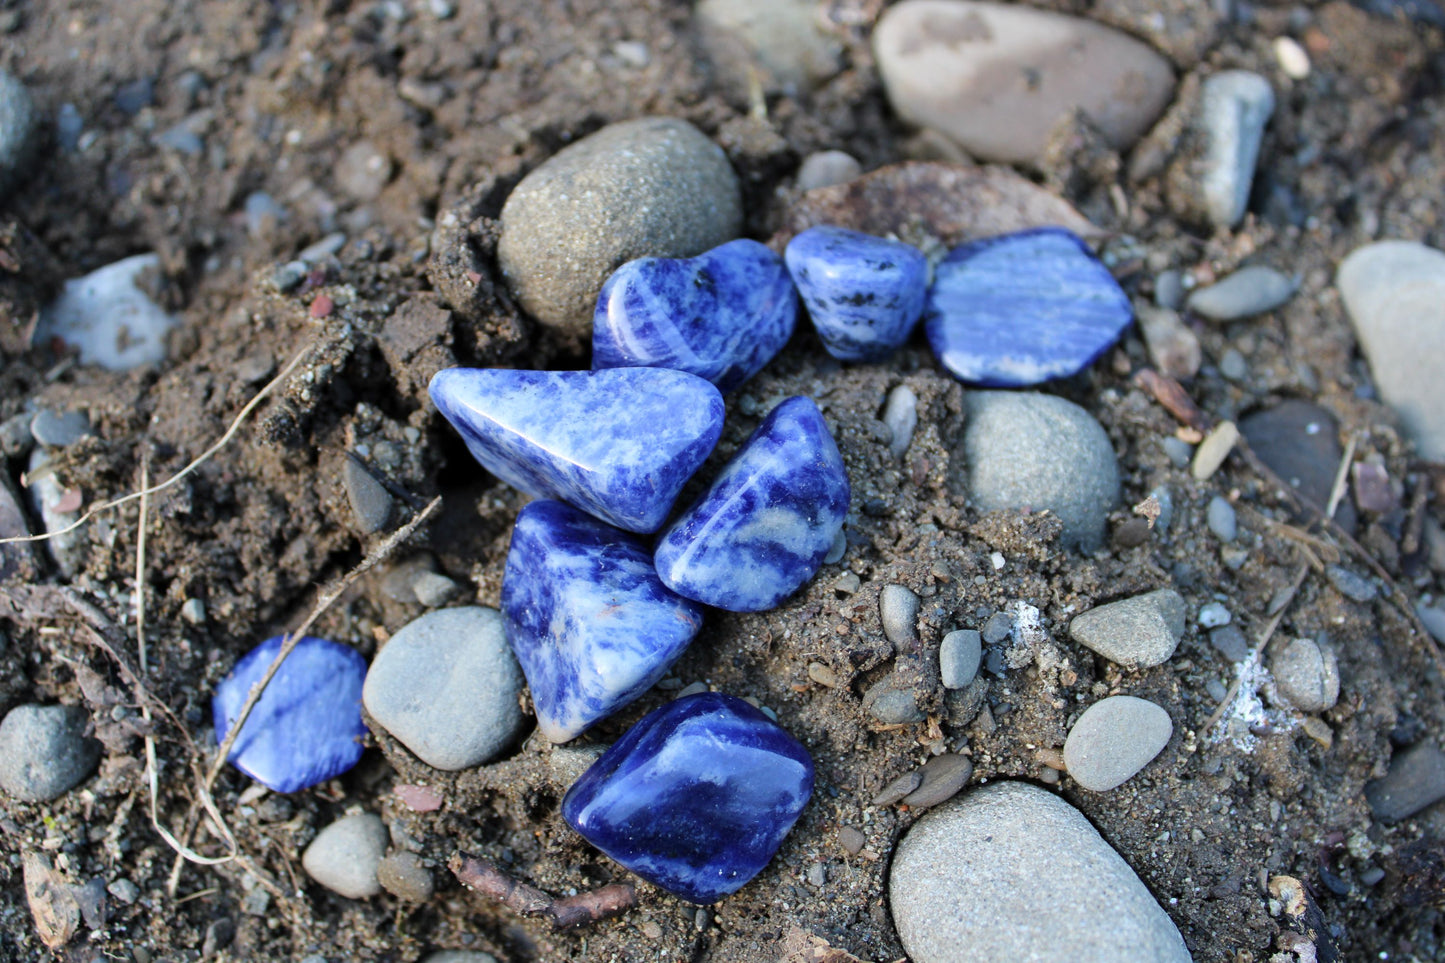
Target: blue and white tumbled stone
[864, 293]
[721, 315]
[306, 728]
[768, 520]
[696, 797]
[618, 443]
[1022, 309]
[591, 623]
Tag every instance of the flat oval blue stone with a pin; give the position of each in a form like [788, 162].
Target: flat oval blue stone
[1023, 309]
[618, 443]
[696, 797]
[721, 315]
[864, 293]
[306, 728]
[768, 520]
[591, 623]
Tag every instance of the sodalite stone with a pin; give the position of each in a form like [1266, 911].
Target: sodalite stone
[306, 728]
[591, 623]
[863, 293]
[767, 522]
[696, 797]
[1023, 309]
[618, 443]
[721, 315]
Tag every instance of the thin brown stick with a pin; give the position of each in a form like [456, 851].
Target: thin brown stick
[599, 904]
[481, 876]
[199, 460]
[1173, 397]
[1342, 478]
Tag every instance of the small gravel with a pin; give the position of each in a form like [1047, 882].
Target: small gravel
[44, 751]
[900, 414]
[1221, 518]
[1114, 739]
[959, 655]
[1306, 675]
[852, 840]
[998, 628]
[434, 589]
[1136, 632]
[1229, 640]
[898, 788]
[954, 887]
[942, 778]
[891, 704]
[345, 855]
[404, 876]
[423, 687]
[1350, 584]
[371, 503]
[1245, 293]
[1213, 450]
[898, 608]
[826, 168]
[1416, 779]
[1213, 614]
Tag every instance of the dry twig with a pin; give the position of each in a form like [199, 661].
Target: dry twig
[570, 911]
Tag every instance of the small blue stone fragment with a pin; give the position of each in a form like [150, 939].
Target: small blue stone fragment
[618, 443]
[767, 522]
[1022, 309]
[696, 797]
[864, 293]
[721, 315]
[591, 623]
[306, 728]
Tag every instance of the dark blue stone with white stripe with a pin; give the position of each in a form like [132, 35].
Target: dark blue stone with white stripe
[768, 520]
[306, 728]
[864, 293]
[617, 443]
[721, 315]
[591, 623]
[1023, 309]
[696, 797]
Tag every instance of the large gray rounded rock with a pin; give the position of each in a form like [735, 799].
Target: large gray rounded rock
[1136, 632]
[998, 78]
[345, 855]
[1010, 872]
[1114, 739]
[44, 751]
[1394, 292]
[446, 686]
[17, 131]
[1036, 451]
[1306, 675]
[654, 187]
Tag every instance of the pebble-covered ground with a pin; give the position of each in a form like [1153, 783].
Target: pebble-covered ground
[1100, 625]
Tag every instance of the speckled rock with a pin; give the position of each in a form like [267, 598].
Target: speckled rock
[1136, 632]
[956, 896]
[1036, 451]
[997, 78]
[1307, 675]
[44, 751]
[345, 855]
[17, 131]
[1114, 739]
[578, 217]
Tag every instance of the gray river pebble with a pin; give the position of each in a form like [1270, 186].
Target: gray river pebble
[345, 855]
[1350, 584]
[44, 751]
[59, 429]
[1245, 293]
[956, 897]
[779, 45]
[900, 414]
[18, 123]
[1229, 640]
[898, 608]
[425, 687]
[404, 875]
[1211, 180]
[825, 168]
[1307, 675]
[959, 655]
[1114, 739]
[1136, 632]
[371, 503]
[571, 222]
[1036, 451]
[1221, 519]
[1416, 779]
[941, 779]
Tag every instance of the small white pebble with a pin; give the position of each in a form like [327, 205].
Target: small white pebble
[1213, 615]
[1293, 59]
[998, 561]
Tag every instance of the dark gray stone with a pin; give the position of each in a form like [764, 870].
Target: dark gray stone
[370, 502]
[1299, 441]
[1230, 641]
[1416, 779]
[44, 751]
[59, 429]
[1350, 584]
[18, 124]
[942, 777]
[891, 704]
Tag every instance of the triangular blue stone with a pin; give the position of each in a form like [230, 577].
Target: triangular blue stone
[618, 444]
[768, 520]
[721, 315]
[591, 623]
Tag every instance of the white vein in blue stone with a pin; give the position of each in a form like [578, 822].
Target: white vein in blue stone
[1022, 309]
[591, 623]
[763, 527]
[721, 315]
[618, 444]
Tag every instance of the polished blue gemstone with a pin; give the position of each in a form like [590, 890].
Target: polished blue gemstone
[763, 527]
[1023, 309]
[696, 797]
[306, 728]
[591, 623]
[618, 444]
[721, 315]
[863, 293]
